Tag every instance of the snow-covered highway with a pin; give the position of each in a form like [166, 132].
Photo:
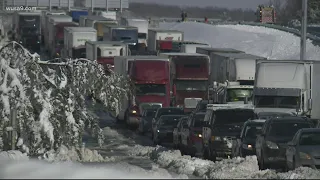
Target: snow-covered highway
[125, 154]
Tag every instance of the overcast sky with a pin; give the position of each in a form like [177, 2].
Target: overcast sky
[251, 4]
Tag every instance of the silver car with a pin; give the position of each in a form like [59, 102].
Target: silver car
[304, 149]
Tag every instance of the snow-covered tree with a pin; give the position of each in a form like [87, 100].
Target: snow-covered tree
[50, 99]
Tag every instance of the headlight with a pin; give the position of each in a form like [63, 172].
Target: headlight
[272, 145]
[304, 155]
[133, 111]
[247, 146]
[200, 135]
[158, 130]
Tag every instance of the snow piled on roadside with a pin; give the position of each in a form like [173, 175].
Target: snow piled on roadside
[243, 168]
[30, 169]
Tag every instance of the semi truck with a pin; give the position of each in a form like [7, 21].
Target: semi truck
[58, 40]
[53, 20]
[156, 35]
[126, 34]
[97, 22]
[74, 41]
[27, 28]
[143, 26]
[289, 86]
[189, 75]
[76, 13]
[151, 85]
[44, 22]
[192, 47]
[232, 75]
[105, 51]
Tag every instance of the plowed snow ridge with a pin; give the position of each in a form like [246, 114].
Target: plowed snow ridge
[260, 41]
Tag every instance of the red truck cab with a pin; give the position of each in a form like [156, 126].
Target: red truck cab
[59, 37]
[189, 75]
[151, 78]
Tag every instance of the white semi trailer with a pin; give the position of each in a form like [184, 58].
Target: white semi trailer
[288, 86]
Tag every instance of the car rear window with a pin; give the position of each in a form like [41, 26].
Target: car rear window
[286, 129]
[170, 112]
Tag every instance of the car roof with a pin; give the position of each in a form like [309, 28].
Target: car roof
[289, 119]
[200, 113]
[172, 115]
[309, 130]
[256, 121]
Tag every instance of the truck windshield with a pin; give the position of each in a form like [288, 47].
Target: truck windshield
[191, 85]
[29, 30]
[277, 101]
[29, 21]
[232, 116]
[234, 95]
[150, 89]
[126, 35]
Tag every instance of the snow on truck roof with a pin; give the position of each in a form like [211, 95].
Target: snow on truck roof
[119, 26]
[239, 55]
[98, 18]
[229, 106]
[222, 50]
[165, 30]
[289, 61]
[142, 58]
[106, 42]
[184, 54]
[80, 29]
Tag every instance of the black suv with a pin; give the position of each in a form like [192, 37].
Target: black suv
[246, 141]
[272, 142]
[221, 128]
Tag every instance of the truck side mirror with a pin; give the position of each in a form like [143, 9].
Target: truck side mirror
[309, 104]
[174, 89]
[246, 100]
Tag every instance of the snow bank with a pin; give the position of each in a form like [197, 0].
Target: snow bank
[260, 41]
[38, 169]
[236, 168]
[12, 155]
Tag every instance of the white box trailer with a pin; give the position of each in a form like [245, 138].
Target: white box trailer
[46, 13]
[141, 24]
[16, 16]
[192, 48]
[98, 49]
[53, 20]
[289, 86]
[108, 14]
[233, 67]
[46, 28]
[160, 34]
[74, 40]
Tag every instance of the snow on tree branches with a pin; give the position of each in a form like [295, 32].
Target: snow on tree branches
[49, 99]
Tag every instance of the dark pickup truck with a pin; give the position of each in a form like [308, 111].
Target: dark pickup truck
[223, 124]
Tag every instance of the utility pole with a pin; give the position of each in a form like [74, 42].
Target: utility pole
[303, 39]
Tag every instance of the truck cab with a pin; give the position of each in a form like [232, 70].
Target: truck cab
[28, 28]
[288, 86]
[161, 39]
[189, 76]
[58, 41]
[233, 92]
[105, 51]
[223, 124]
[167, 46]
[150, 79]
[98, 22]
